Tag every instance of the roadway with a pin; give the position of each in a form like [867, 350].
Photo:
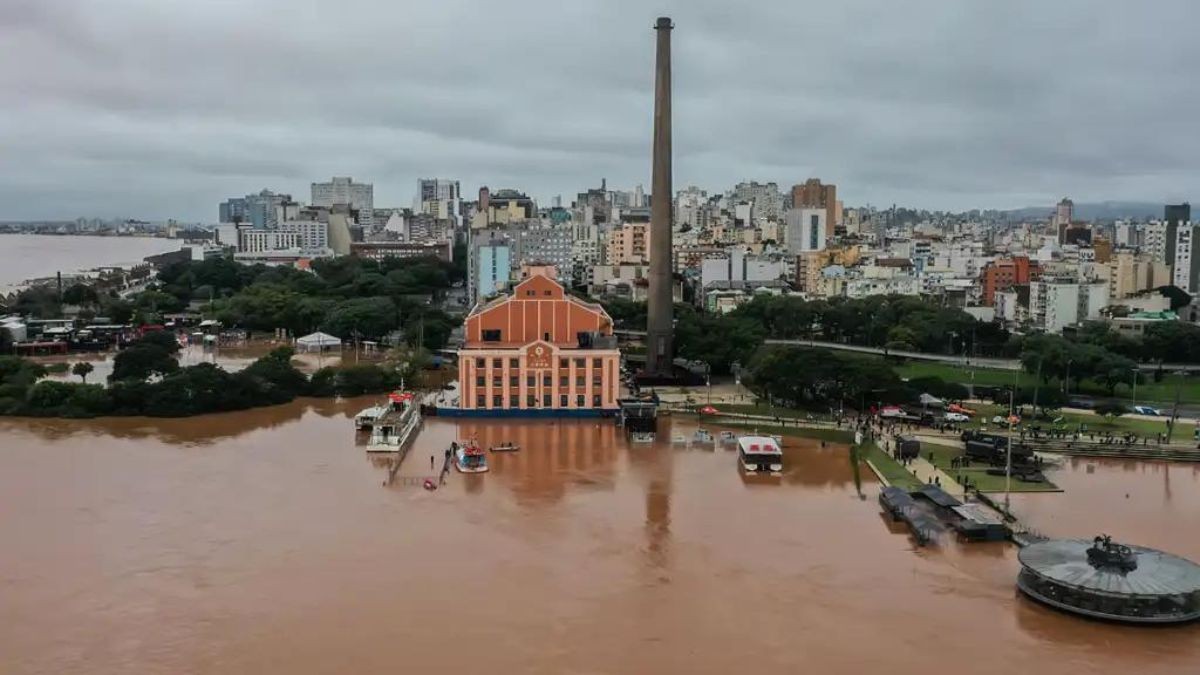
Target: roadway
[978, 362]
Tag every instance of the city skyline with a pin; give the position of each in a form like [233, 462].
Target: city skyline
[924, 106]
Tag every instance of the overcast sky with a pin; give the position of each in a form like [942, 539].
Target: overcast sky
[161, 108]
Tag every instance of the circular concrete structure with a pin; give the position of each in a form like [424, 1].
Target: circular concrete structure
[1104, 580]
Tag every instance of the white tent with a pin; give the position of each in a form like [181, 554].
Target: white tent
[318, 342]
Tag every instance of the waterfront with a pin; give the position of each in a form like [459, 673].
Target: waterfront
[32, 256]
[263, 542]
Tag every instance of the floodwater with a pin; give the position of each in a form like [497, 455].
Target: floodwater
[29, 256]
[264, 542]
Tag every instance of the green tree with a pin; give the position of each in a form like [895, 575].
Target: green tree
[80, 294]
[82, 369]
[152, 354]
[1110, 409]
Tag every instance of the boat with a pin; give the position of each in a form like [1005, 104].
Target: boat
[367, 417]
[506, 447]
[642, 436]
[396, 427]
[679, 438]
[759, 454]
[470, 458]
[728, 437]
[703, 437]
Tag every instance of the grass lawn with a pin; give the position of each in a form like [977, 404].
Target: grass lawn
[890, 469]
[1148, 391]
[942, 454]
[1072, 421]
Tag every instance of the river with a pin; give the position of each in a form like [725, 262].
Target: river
[264, 542]
[29, 256]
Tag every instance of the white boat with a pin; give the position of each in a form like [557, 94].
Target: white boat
[506, 447]
[470, 459]
[728, 437]
[366, 418]
[679, 438]
[642, 437]
[759, 454]
[702, 436]
[395, 429]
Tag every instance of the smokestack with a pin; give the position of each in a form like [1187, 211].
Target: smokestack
[659, 352]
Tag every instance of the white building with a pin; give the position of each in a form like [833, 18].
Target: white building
[252, 240]
[1186, 270]
[805, 230]
[766, 199]
[312, 236]
[1154, 240]
[439, 198]
[740, 266]
[1056, 304]
[343, 190]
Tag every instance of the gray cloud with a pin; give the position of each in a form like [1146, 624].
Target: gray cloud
[160, 108]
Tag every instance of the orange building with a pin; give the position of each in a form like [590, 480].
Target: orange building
[1004, 272]
[539, 349]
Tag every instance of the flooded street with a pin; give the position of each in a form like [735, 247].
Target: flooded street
[263, 542]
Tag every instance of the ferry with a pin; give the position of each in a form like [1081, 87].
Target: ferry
[394, 429]
[506, 446]
[367, 418]
[470, 458]
[760, 454]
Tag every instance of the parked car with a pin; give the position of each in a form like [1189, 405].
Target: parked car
[957, 417]
[1001, 419]
[1147, 410]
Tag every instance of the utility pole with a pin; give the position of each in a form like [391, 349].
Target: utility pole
[1008, 454]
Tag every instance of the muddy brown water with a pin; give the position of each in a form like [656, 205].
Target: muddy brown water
[264, 542]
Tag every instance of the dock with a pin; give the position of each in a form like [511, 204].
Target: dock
[395, 431]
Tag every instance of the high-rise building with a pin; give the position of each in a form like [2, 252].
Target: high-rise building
[1174, 216]
[1064, 213]
[1003, 273]
[439, 198]
[629, 244]
[807, 230]
[359, 197]
[812, 194]
[261, 210]
[1186, 268]
[765, 199]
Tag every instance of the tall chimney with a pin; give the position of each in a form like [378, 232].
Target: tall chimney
[659, 352]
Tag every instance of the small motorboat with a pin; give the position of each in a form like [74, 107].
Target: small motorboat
[728, 437]
[642, 437]
[470, 458]
[506, 447]
[702, 436]
[679, 439]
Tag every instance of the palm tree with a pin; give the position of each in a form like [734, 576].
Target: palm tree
[83, 369]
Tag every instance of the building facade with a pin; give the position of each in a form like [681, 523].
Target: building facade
[539, 350]
[343, 190]
[439, 198]
[807, 230]
[629, 244]
[381, 250]
[1186, 268]
[812, 194]
[1002, 273]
